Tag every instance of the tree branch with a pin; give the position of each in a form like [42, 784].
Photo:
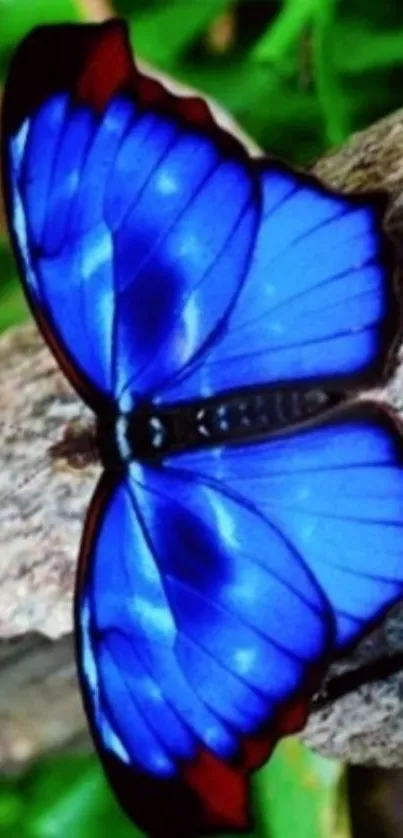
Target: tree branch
[42, 510]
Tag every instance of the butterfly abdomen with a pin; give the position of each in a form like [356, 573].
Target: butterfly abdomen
[154, 432]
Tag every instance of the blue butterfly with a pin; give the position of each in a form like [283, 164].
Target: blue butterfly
[219, 314]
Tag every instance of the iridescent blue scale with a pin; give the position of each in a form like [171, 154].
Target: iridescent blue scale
[220, 314]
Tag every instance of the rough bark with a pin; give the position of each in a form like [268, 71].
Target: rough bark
[41, 513]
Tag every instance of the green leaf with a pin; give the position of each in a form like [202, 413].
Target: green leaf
[11, 809]
[13, 308]
[284, 31]
[327, 80]
[8, 270]
[19, 16]
[359, 49]
[69, 796]
[299, 793]
[162, 34]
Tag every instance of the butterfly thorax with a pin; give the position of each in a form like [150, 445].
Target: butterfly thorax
[151, 432]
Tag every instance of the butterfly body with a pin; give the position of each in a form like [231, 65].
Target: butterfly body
[216, 312]
[150, 432]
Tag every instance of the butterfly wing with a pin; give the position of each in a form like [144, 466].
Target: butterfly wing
[159, 259]
[201, 636]
[127, 219]
[335, 492]
[187, 267]
[212, 591]
[318, 300]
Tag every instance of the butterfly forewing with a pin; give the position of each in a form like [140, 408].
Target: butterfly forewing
[318, 301]
[146, 220]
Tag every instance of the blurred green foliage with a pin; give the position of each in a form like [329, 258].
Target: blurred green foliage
[300, 76]
[298, 795]
[65, 797]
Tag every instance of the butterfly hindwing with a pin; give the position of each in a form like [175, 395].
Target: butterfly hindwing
[335, 491]
[198, 623]
[212, 592]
